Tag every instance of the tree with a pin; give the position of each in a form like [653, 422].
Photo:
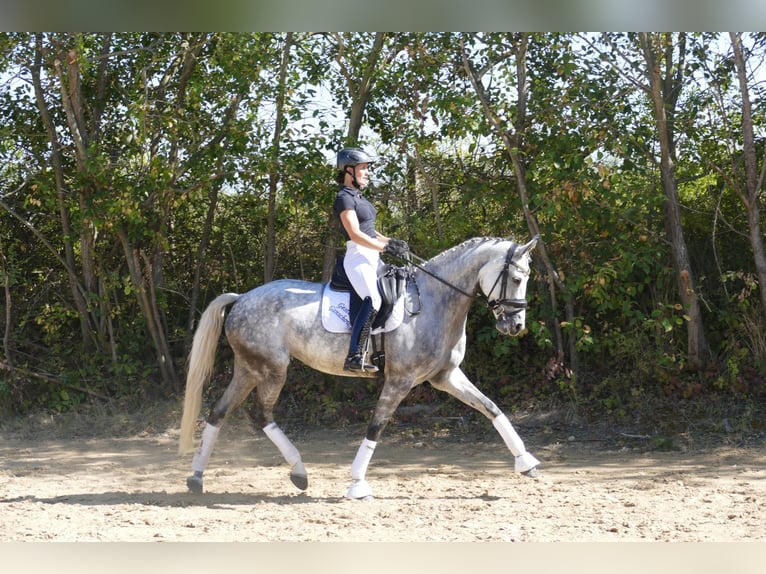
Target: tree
[274, 171]
[511, 130]
[131, 134]
[141, 173]
[77, 125]
[665, 70]
[359, 59]
[750, 194]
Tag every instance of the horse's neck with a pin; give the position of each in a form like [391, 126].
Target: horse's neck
[461, 265]
[458, 269]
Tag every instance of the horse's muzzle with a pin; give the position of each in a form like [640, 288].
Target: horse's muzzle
[510, 327]
[509, 315]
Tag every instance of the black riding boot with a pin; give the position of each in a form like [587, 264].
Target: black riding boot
[360, 335]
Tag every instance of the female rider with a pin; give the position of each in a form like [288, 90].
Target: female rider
[363, 247]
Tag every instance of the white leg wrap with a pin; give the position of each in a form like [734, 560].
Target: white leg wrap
[280, 440]
[209, 438]
[524, 460]
[512, 439]
[359, 489]
[362, 459]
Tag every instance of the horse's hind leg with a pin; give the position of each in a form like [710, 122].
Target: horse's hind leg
[268, 378]
[201, 457]
[266, 397]
[242, 383]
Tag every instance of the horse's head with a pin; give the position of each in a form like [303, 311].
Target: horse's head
[503, 280]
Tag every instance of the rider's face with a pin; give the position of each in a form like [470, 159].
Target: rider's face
[362, 171]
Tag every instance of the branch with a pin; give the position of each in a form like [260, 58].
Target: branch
[610, 61]
[43, 240]
[518, 167]
[343, 69]
[5, 366]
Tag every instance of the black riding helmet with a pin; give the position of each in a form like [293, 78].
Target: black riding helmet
[351, 157]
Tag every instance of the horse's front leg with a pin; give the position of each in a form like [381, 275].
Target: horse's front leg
[457, 384]
[393, 393]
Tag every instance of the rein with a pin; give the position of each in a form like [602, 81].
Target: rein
[496, 305]
[427, 272]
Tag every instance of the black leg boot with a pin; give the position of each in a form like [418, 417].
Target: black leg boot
[360, 335]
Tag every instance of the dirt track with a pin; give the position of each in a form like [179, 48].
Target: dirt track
[427, 488]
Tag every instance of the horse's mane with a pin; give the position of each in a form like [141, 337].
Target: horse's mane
[472, 243]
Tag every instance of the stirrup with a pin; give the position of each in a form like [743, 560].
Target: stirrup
[356, 362]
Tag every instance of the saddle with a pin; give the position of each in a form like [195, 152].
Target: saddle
[392, 281]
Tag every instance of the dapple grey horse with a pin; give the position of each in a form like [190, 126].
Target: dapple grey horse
[280, 320]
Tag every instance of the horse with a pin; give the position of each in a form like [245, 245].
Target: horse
[280, 320]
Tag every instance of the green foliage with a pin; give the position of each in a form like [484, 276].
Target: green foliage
[167, 202]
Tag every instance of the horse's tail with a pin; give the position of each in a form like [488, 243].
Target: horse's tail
[200, 365]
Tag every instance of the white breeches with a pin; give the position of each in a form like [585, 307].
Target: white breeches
[361, 265]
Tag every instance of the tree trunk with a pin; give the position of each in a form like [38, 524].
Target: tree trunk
[514, 142]
[77, 290]
[73, 103]
[664, 93]
[4, 273]
[754, 181]
[274, 171]
[433, 189]
[142, 277]
[200, 260]
[359, 88]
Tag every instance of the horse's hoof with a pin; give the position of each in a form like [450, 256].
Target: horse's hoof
[526, 464]
[194, 483]
[360, 490]
[531, 473]
[300, 480]
[299, 476]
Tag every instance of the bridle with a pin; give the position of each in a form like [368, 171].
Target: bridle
[501, 306]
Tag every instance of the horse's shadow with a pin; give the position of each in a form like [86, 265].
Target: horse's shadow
[211, 500]
[161, 499]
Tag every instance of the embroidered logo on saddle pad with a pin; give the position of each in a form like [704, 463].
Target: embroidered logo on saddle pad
[335, 310]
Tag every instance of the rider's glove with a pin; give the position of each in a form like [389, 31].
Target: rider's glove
[397, 248]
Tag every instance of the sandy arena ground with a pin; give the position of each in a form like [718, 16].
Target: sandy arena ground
[428, 487]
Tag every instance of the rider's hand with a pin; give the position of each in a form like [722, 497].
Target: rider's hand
[397, 248]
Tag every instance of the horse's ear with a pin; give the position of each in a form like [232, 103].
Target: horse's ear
[529, 246]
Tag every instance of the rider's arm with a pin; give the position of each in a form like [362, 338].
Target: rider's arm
[351, 224]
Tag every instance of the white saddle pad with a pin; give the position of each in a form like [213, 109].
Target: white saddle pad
[336, 308]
